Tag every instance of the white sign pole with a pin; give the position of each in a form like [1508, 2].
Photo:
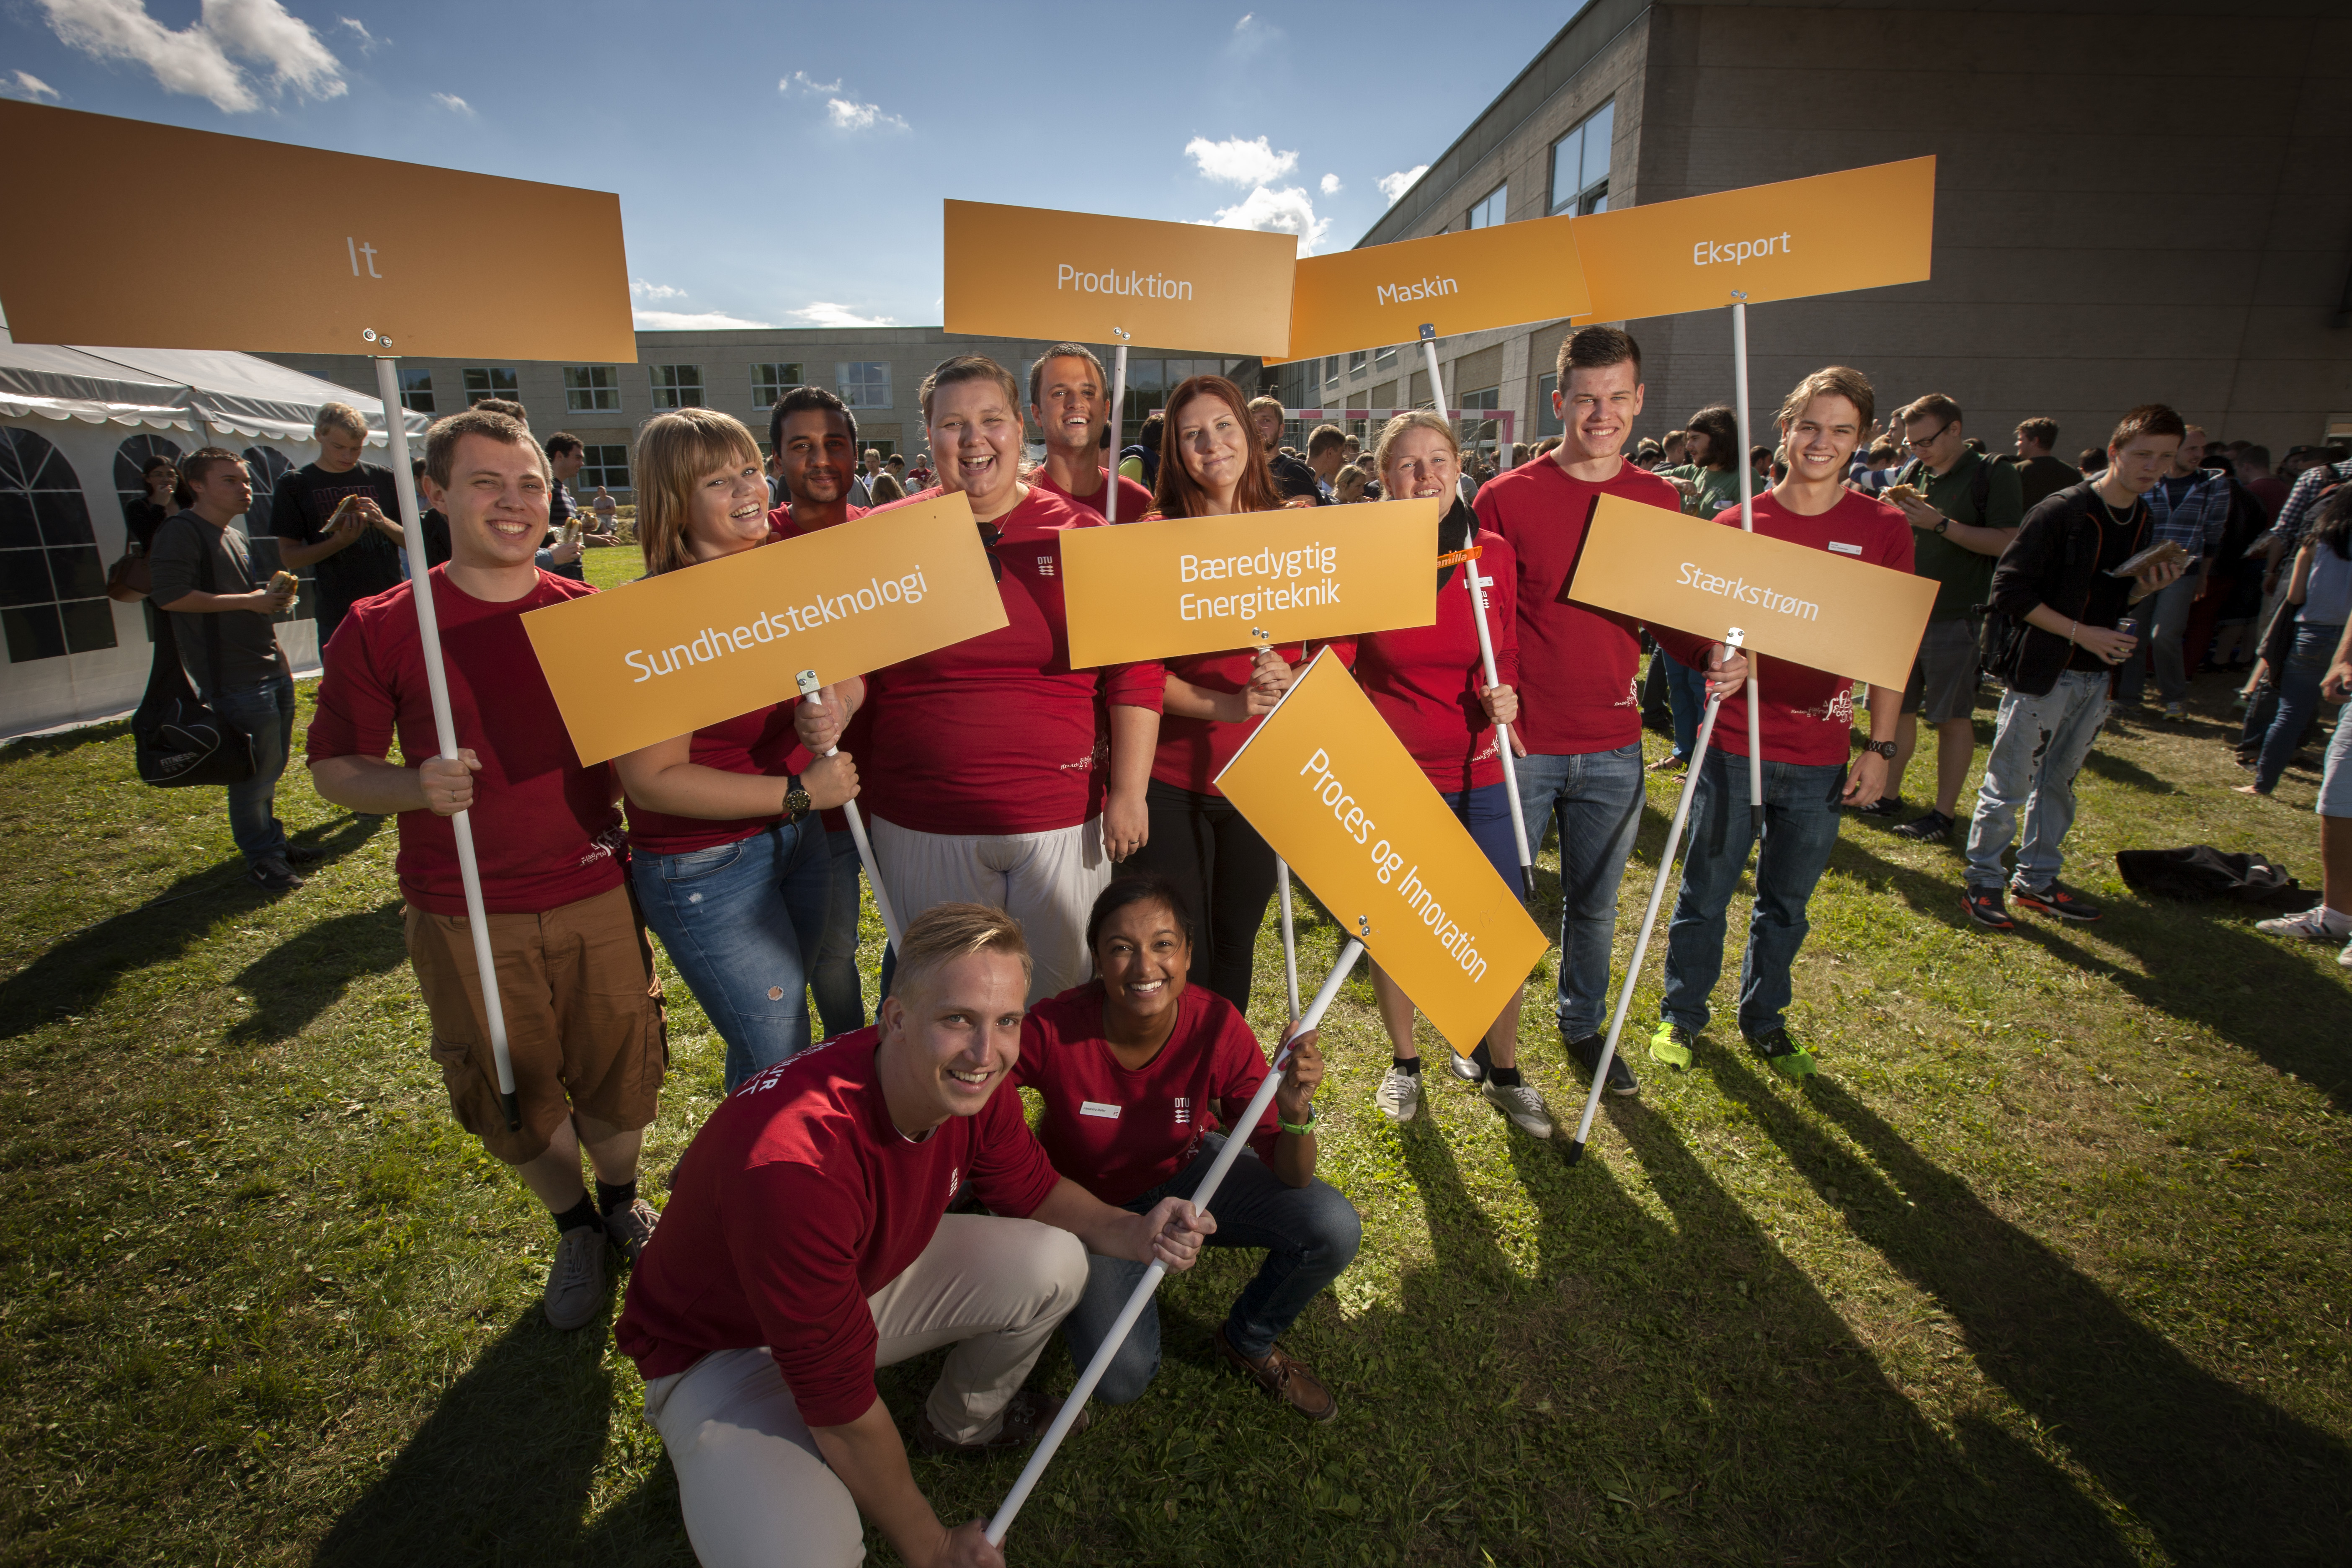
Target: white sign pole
[436, 681]
[1732, 638]
[1289, 938]
[1748, 521]
[1111, 429]
[809, 686]
[1235, 1140]
[1476, 586]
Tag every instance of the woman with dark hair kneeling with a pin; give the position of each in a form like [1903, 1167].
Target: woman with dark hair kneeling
[1141, 1076]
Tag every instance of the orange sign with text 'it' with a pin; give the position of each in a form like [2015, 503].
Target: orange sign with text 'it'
[667, 655]
[1849, 617]
[1465, 282]
[1200, 584]
[325, 249]
[1336, 793]
[1858, 228]
[1032, 272]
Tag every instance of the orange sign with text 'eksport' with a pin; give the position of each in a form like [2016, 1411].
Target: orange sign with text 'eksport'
[1465, 282]
[1792, 602]
[1032, 272]
[1326, 783]
[324, 248]
[667, 655]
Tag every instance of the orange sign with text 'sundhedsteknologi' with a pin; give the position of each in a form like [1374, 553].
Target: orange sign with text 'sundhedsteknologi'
[1462, 282]
[668, 655]
[1200, 584]
[324, 248]
[1032, 272]
[1849, 617]
[1858, 228]
[1331, 788]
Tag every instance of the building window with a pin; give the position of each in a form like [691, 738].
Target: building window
[862, 383]
[1385, 359]
[770, 382]
[1489, 212]
[677, 385]
[1546, 422]
[52, 584]
[416, 390]
[1331, 367]
[1484, 399]
[1579, 165]
[491, 381]
[607, 465]
[591, 388]
[1356, 360]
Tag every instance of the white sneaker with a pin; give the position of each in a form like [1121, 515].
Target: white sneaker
[2345, 958]
[1522, 1105]
[2312, 925]
[1399, 1096]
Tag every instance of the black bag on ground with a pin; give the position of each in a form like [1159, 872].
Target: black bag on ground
[176, 740]
[2202, 871]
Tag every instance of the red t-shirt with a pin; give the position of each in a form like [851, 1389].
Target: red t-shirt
[1807, 714]
[796, 1201]
[760, 742]
[547, 831]
[1193, 752]
[997, 733]
[1134, 500]
[1119, 1132]
[1581, 665]
[782, 526]
[1425, 679]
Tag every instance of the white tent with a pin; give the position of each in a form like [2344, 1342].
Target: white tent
[77, 425]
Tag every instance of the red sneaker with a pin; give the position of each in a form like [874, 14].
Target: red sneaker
[2056, 901]
[1985, 907]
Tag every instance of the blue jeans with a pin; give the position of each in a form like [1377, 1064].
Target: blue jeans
[1310, 1234]
[1801, 828]
[1687, 687]
[840, 995]
[2163, 620]
[2298, 699]
[264, 711]
[738, 920]
[1596, 797]
[2037, 750]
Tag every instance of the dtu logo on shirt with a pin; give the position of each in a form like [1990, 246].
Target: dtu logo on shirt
[1183, 1109]
[955, 1181]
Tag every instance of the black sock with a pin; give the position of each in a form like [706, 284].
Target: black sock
[580, 1215]
[610, 1197]
[1503, 1077]
[1409, 1066]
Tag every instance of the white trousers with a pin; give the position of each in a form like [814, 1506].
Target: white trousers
[753, 1488]
[1047, 881]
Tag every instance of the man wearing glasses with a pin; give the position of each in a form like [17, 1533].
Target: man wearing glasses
[1963, 509]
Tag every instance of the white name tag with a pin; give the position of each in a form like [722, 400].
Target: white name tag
[1845, 549]
[1097, 1108]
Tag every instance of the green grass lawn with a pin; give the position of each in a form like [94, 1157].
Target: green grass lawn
[2049, 1267]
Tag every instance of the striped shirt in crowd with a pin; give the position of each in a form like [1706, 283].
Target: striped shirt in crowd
[2294, 517]
[2196, 521]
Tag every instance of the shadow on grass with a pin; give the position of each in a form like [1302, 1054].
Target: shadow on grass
[499, 1472]
[307, 973]
[79, 970]
[2215, 1473]
[2122, 771]
[64, 741]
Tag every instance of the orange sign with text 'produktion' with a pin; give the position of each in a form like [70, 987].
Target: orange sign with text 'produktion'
[1032, 272]
[1792, 602]
[295, 250]
[1327, 784]
[667, 655]
[1200, 584]
[1858, 228]
[1465, 282]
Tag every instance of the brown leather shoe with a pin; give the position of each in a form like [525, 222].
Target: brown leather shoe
[1285, 1377]
[1026, 1417]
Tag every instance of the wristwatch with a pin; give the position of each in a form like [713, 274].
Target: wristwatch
[1884, 748]
[1944, 525]
[796, 799]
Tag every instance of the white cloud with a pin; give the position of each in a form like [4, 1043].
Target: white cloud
[195, 60]
[368, 40]
[1330, 185]
[30, 85]
[1241, 163]
[454, 104]
[1396, 185]
[641, 289]
[1250, 36]
[799, 82]
[692, 322]
[849, 115]
[1287, 210]
[825, 314]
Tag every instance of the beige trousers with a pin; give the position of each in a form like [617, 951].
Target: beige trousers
[1047, 881]
[753, 1488]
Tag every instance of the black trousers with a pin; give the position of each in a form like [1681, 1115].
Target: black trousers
[1225, 872]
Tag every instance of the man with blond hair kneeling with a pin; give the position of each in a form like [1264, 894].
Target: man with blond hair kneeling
[807, 1242]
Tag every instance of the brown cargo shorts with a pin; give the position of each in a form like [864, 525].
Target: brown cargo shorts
[583, 1014]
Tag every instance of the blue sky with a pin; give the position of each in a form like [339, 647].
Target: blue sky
[784, 165]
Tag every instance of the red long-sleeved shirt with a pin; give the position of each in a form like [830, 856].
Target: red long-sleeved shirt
[1426, 680]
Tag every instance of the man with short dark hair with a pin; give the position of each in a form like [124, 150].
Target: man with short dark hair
[566, 454]
[2041, 474]
[221, 623]
[2188, 507]
[506, 405]
[1069, 397]
[339, 517]
[1326, 454]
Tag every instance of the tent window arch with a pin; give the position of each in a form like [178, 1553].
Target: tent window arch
[52, 584]
[130, 460]
[265, 466]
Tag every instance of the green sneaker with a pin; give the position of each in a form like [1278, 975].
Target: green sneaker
[1791, 1058]
[1673, 1045]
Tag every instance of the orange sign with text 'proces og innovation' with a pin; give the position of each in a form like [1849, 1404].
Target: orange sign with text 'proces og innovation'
[1032, 272]
[667, 655]
[1811, 607]
[1327, 784]
[1463, 282]
[1857, 229]
[323, 250]
[1201, 584]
